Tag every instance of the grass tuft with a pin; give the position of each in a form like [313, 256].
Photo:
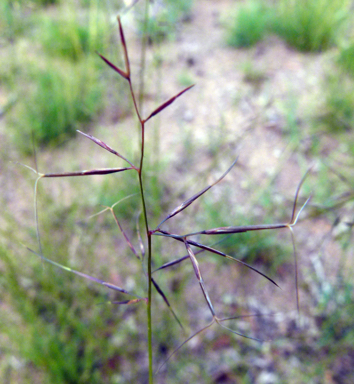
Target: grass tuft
[249, 26]
[339, 103]
[71, 38]
[346, 59]
[307, 25]
[310, 25]
[60, 99]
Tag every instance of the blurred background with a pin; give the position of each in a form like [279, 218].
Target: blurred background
[275, 87]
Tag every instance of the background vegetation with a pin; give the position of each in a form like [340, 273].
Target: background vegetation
[275, 86]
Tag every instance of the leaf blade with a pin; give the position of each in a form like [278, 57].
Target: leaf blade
[217, 252]
[84, 275]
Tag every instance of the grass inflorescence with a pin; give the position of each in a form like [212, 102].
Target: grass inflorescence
[149, 235]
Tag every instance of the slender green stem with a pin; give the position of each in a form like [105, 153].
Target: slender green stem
[139, 112]
[149, 321]
[143, 56]
[142, 157]
[134, 102]
[140, 103]
[151, 379]
[148, 234]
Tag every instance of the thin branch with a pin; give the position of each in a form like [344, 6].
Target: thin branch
[167, 103]
[185, 342]
[28, 167]
[217, 252]
[297, 194]
[176, 261]
[199, 276]
[36, 216]
[34, 151]
[257, 227]
[133, 301]
[296, 270]
[189, 201]
[159, 290]
[130, 245]
[108, 208]
[115, 68]
[238, 229]
[104, 283]
[218, 321]
[122, 39]
[105, 146]
[98, 171]
[298, 214]
[238, 333]
[142, 247]
[245, 316]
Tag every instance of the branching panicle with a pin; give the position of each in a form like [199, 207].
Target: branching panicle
[144, 253]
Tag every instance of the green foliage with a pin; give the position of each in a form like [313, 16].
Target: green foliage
[336, 308]
[310, 25]
[346, 59]
[43, 3]
[102, 4]
[253, 75]
[307, 25]
[182, 8]
[12, 20]
[339, 103]
[108, 194]
[57, 96]
[56, 322]
[164, 19]
[60, 99]
[185, 78]
[69, 38]
[249, 26]
[15, 16]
